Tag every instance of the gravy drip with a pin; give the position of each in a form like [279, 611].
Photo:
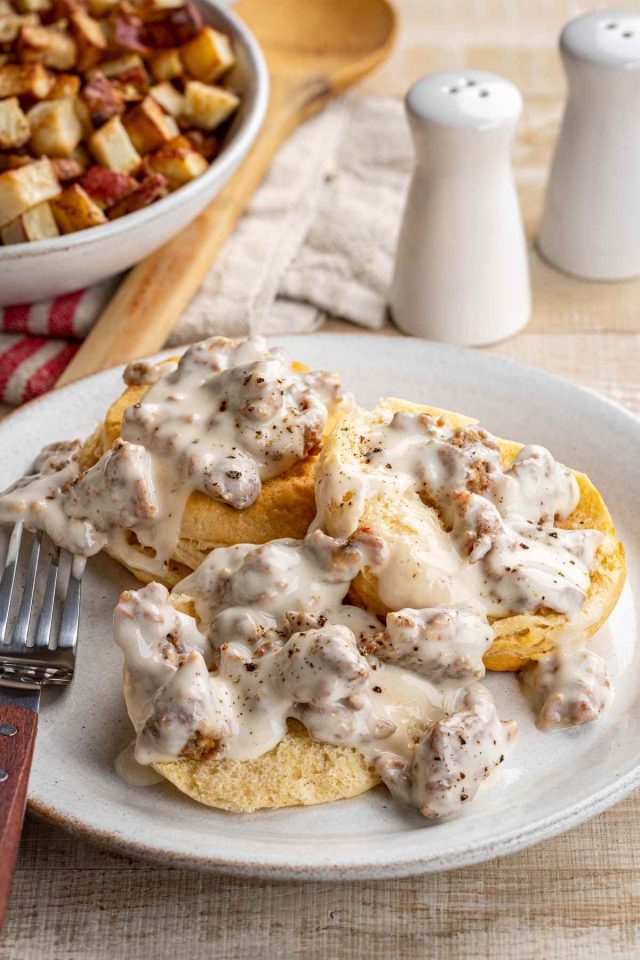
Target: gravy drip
[273, 641]
[222, 420]
[489, 540]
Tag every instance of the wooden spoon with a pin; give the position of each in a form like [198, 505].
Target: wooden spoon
[314, 49]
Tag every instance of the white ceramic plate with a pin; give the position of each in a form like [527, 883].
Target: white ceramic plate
[549, 783]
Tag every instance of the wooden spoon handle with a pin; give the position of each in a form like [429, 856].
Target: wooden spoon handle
[149, 302]
[16, 752]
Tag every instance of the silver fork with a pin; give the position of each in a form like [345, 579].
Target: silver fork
[26, 663]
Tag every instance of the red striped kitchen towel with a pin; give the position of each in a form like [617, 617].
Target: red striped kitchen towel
[37, 341]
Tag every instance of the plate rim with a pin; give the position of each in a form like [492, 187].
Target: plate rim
[384, 866]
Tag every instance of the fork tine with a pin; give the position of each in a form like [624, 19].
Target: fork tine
[8, 577]
[21, 629]
[68, 633]
[43, 629]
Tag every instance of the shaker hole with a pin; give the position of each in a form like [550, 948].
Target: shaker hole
[471, 83]
[611, 26]
[627, 34]
[483, 93]
[454, 90]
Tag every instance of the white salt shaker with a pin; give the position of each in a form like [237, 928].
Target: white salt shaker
[461, 272]
[591, 222]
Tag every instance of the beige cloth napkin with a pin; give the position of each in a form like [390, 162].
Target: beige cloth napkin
[319, 237]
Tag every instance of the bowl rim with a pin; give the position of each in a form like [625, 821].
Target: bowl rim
[219, 170]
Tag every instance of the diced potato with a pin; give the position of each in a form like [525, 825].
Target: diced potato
[83, 113]
[170, 99]
[168, 4]
[17, 79]
[100, 8]
[46, 45]
[5, 8]
[206, 106]
[37, 223]
[119, 65]
[14, 126]
[26, 187]
[149, 126]
[151, 189]
[112, 147]
[13, 161]
[75, 210]
[33, 6]
[11, 24]
[91, 41]
[130, 73]
[82, 155]
[64, 85]
[166, 65]
[178, 162]
[55, 127]
[208, 55]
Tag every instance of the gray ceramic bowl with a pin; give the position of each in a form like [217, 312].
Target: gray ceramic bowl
[47, 268]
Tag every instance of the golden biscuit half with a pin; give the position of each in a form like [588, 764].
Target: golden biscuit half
[285, 507]
[298, 771]
[518, 638]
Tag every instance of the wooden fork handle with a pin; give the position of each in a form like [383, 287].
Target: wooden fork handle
[16, 752]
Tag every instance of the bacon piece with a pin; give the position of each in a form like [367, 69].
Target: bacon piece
[67, 168]
[151, 189]
[103, 98]
[107, 187]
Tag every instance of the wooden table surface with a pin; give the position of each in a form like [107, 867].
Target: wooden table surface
[573, 898]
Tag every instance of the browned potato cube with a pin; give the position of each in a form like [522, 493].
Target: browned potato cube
[166, 65]
[208, 55]
[83, 114]
[115, 67]
[206, 106]
[129, 73]
[17, 80]
[48, 46]
[36, 224]
[25, 187]
[33, 6]
[148, 126]
[170, 99]
[178, 162]
[11, 24]
[91, 41]
[112, 147]
[64, 85]
[14, 126]
[55, 128]
[100, 8]
[75, 210]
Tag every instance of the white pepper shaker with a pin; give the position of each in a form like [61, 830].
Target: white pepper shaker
[591, 222]
[461, 272]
